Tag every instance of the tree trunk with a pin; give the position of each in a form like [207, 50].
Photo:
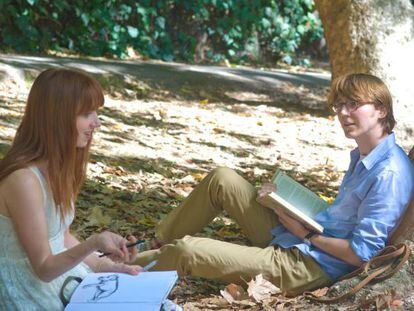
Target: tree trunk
[374, 36]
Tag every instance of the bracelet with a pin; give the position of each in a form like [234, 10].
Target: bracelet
[307, 238]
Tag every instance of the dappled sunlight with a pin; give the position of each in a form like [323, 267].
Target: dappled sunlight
[132, 80]
[248, 96]
[153, 148]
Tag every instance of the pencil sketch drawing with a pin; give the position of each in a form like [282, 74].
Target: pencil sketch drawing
[106, 286]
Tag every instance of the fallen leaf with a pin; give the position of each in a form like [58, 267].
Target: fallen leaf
[226, 295]
[198, 176]
[117, 126]
[384, 300]
[320, 292]
[233, 292]
[260, 289]
[98, 218]
[328, 200]
[397, 303]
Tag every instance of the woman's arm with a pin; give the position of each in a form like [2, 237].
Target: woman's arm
[24, 203]
[104, 264]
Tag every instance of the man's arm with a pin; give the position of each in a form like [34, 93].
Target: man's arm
[339, 248]
[336, 247]
[378, 213]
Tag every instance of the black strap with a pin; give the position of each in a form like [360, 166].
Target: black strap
[69, 279]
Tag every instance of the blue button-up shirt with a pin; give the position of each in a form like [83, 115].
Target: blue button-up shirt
[372, 197]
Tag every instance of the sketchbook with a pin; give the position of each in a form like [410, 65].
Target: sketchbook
[116, 291]
[296, 200]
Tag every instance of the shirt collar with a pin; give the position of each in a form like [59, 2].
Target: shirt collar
[377, 153]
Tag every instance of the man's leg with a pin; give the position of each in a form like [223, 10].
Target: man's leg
[228, 262]
[222, 189]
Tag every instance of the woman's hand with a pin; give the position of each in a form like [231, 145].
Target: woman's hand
[132, 251]
[106, 265]
[266, 188]
[111, 243]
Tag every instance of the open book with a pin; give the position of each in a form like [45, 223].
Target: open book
[116, 291]
[296, 200]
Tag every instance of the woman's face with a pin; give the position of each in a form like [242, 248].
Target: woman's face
[86, 123]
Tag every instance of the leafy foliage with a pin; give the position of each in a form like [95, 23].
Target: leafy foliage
[207, 30]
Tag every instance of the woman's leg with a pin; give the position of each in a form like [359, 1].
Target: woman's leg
[231, 263]
[222, 189]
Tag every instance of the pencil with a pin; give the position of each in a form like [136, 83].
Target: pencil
[150, 265]
[128, 245]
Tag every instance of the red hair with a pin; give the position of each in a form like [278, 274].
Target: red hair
[48, 132]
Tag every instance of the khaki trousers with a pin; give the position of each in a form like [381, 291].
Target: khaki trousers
[223, 189]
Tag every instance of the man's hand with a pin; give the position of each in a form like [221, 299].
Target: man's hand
[291, 224]
[266, 189]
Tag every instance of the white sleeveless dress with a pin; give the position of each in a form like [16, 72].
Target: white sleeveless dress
[20, 288]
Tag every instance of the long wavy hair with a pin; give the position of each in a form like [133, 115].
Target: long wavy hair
[48, 132]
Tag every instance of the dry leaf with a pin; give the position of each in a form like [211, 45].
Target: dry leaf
[233, 292]
[227, 296]
[397, 303]
[384, 301]
[320, 292]
[259, 288]
[98, 218]
[198, 176]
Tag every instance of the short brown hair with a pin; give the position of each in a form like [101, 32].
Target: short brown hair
[364, 87]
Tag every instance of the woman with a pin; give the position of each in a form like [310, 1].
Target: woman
[40, 178]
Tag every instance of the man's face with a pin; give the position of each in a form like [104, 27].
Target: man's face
[360, 119]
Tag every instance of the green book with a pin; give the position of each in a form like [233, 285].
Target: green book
[296, 200]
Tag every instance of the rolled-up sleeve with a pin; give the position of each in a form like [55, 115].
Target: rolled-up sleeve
[379, 212]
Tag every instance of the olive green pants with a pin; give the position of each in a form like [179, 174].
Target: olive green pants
[223, 189]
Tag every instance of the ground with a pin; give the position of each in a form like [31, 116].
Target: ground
[164, 126]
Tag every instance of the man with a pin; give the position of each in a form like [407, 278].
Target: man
[372, 197]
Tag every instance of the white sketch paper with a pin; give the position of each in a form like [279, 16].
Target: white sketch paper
[108, 291]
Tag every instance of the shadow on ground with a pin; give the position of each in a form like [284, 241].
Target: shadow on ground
[299, 92]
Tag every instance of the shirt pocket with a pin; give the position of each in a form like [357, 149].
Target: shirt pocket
[347, 211]
[362, 189]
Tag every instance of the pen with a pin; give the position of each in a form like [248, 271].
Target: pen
[128, 245]
[150, 265]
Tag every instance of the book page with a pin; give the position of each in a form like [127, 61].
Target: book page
[292, 211]
[146, 288]
[297, 195]
[149, 306]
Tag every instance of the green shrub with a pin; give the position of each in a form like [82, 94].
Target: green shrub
[206, 30]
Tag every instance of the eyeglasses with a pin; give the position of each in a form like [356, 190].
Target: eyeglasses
[350, 106]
